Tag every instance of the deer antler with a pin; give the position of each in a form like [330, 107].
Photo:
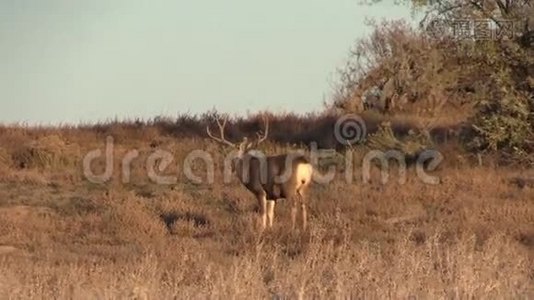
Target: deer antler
[265, 134]
[221, 130]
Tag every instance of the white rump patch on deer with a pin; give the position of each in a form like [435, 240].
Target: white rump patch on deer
[304, 174]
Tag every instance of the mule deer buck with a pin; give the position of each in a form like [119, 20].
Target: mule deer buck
[270, 178]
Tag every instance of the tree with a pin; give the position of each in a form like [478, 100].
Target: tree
[462, 55]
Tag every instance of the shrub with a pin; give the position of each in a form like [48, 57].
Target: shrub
[48, 152]
[487, 83]
[411, 145]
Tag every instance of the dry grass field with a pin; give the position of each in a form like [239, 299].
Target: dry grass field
[64, 237]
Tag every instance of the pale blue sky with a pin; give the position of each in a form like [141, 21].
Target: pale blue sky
[73, 61]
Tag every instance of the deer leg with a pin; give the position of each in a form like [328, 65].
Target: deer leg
[303, 208]
[304, 215]
[263, 210]
[270, 212]
[293, 213]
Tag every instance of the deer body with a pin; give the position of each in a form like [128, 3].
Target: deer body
[270, 178]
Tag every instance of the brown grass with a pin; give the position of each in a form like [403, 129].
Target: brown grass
[61, 236]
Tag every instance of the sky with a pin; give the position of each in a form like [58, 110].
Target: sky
[72, 61]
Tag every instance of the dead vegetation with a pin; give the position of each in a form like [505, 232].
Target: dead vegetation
[64, 237]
